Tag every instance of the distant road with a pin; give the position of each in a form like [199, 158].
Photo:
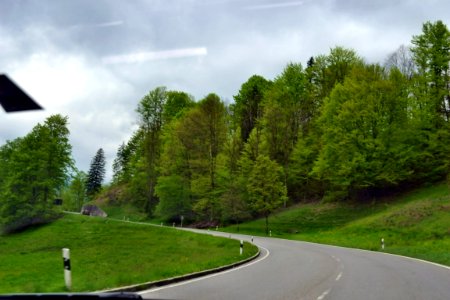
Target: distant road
[299, 270]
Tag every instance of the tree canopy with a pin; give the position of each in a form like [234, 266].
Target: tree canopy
[33, 170]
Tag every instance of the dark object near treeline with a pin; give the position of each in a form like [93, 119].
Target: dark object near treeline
[93, 210]
[205, 224]
[58, 201]
[13, 99]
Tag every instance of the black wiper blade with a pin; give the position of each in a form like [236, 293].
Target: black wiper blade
[13, 98]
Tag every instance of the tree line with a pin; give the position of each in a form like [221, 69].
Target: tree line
[339, 128]
[336, 129]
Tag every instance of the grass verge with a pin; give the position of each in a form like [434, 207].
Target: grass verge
[106, 254]
[416, 224]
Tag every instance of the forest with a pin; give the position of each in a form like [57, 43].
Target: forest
[336, 129]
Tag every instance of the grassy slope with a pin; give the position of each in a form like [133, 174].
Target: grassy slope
[105, 254]
[416, 224]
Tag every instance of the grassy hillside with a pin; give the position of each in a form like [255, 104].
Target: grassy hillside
[416, 224]
[106, 254]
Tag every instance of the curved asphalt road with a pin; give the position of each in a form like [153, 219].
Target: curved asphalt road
[298, 270]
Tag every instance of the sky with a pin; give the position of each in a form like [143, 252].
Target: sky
[93, 61]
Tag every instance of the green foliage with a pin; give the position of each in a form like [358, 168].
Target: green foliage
[96, 173]
[364, 125]
[33, 171]
[74, 195]
[174, 197]
[265, 186]
[177, 103]
[150, 109]
[432, 56]
[248, 104]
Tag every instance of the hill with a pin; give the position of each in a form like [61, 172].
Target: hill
[106, 253]
[415, 224]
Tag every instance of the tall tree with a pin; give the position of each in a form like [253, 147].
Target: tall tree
[142, 184]
[288, 112]
[201, 133]
[247, 108]
[265, 187]
[365, 134]
[431, 52]
[74, 195]
[96, 173]
[34, 169]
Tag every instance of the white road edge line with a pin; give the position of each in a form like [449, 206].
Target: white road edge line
[378, 252]
[206, 277]
[324, 294]
[339, 276]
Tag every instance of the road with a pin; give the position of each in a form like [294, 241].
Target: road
[298, 270]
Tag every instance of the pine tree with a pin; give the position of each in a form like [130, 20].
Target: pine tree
[96, 173]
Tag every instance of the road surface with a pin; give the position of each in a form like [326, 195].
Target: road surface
[298, 270]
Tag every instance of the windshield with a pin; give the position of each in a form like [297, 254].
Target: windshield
[211, 114]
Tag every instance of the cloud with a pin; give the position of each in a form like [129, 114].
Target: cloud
[100, 114]
[274, 5]
[157, 55]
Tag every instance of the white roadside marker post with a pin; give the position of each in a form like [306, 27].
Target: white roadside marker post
[270, 232]
[252, 239]
[241, 249]
[382, 243]
[67, 271]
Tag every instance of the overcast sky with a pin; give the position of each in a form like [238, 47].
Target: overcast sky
[94, 60]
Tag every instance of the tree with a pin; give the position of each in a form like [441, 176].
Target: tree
[176, 104]
[74, 195]
[96, 173]
[126, 156]
[288, 112]
[174, 197]
[366, 137]
[431, 52]
[142, 184]
[265, 187]
[247, 108]
[402, 59]
[195, 140]
[34, 169]
[325, 71]
[173, 187]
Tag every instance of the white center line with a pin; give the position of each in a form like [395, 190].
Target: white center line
[339, 276]
[321, 297]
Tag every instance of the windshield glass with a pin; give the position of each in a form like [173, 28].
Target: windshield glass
[214, 114]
